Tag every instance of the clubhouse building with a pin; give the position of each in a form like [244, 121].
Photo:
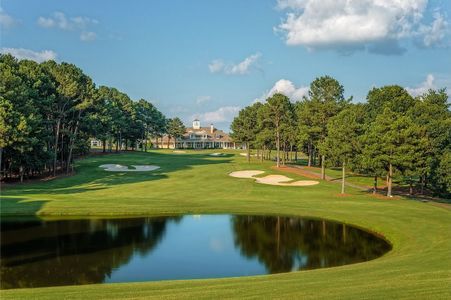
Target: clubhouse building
[198, 137]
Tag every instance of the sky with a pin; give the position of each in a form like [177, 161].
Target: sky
[207, 59]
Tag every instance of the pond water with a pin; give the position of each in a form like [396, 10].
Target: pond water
[37, 253]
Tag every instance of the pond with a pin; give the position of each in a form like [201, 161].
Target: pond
[36, 253]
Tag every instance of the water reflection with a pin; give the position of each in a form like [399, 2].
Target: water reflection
[284, 244]
[48, 253]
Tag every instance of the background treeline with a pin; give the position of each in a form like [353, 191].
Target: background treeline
[48, 112]
[391, 135]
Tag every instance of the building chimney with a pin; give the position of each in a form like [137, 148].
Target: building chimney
[212, 129]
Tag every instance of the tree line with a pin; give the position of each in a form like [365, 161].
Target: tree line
[390, 135]
[49, 111]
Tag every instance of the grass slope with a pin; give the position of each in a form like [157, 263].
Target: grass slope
[419, 266]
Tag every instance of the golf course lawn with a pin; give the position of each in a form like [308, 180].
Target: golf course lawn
[419, 265]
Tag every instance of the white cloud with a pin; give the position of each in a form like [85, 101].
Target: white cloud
[287, 88]
[423, 87]
[377, 25]
[81, 24]
[202, 99]
[21, 53]
[434, 33]
[216, 66]
[241, 68]
[222, 114]
[46, 22]
[88, 36]
[6, 21]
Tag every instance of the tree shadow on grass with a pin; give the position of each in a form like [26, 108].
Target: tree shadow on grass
[90, 177]
[15, 206]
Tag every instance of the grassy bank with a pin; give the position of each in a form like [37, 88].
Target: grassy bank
[419, 266]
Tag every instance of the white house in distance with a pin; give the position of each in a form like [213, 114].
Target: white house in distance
[198, 137]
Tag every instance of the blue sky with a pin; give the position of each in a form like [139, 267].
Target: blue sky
[207, 59]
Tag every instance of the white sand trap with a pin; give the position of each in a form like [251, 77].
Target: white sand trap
[216, 154]
[246, 174]
[280, 180]
[245, 154]
[179, 151]
[121, 168]
[284, 181]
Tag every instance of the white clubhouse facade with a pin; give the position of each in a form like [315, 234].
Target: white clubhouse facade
[198, 137]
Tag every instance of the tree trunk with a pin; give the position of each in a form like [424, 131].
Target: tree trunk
[375, 185]
[389, 180]
[72, 142]
[248, 152]
[309, 164]
[21, 173]
[104, 146]
[423, 180]
[410, 186]
[169, 140]
[175, 142]
[278, 148]
[284, 155]
[323, 167]
[55, 158]
[343, 178]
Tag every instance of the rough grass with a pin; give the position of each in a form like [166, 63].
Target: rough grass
[419, 266]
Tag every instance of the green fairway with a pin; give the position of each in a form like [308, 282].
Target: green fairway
[419, 266]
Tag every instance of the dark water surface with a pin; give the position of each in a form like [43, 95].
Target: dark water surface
[37, 253]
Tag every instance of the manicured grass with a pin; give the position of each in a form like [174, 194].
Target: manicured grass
[419, 266]
[358, 179]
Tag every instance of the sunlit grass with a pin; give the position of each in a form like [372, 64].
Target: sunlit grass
[419, 266]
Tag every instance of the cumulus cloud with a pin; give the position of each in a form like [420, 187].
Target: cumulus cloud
[434, 33]
[376, 25]
[222, 114]
[216, 66]
[60, 21]
[88, 36]
[241, 68]
[423, 87]
[287, 88]
[6, 21]
[202, 99]
[38, 56]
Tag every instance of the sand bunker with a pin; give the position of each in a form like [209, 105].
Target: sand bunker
[246, 174]
[280, 180]
[245, 154]
[216, 154]
[179, 151]
[121, 168]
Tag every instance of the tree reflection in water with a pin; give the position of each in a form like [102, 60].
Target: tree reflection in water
[286, 244]
[50, 253]
[75, 251]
